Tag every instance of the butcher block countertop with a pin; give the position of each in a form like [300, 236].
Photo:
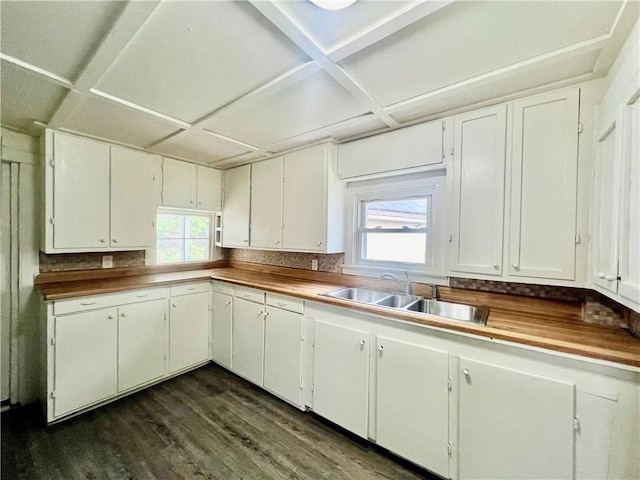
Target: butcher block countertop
[548, 324]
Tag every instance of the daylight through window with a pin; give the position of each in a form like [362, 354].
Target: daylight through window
[183, 238]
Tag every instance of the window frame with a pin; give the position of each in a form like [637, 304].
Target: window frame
[186, 213]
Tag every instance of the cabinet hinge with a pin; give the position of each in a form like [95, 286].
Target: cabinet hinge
[53, 395]
[52, 163]
[593, 174]
[576, 424]
[53, 341]
[211, 308]
[52, 221]
[578, 238]
[312, 387]
[452, 150]
[580, 127]
[302, 337]
[301, 385]
[449, 384]
[444, 125]
[449, 448]
[450, 238]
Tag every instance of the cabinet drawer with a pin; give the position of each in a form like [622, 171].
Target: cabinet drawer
[286, 303]
[61, 307]
[223, 287]
[190, 288]
[250, 294]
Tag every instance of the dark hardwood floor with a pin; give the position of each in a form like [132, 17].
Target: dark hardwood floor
[206, 424]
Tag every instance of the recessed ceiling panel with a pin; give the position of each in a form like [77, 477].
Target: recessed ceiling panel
[331, 27]
[564, 69]
[25, 98]
[57, 36]
[191, 58]
[468, 39]
[201, 147]
[312, 103]
[107, 120]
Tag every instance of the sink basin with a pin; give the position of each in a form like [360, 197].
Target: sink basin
[358, 295]
[397, 301]
[452, 311]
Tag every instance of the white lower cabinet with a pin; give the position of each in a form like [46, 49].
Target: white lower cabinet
[283, 354]
[142, 343]
[513, 425]
[248, 339]
[221, 328]
[188, 330]
[85, 359]
[412, 403]
[341, 376]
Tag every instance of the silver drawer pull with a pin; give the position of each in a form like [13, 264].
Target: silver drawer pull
[143, 295]
[466, 372]
[361, 342]
[191, 288]
[87, 303]
[282, 304]
[381, 348]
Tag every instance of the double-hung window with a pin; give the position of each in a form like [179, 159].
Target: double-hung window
[183, 237]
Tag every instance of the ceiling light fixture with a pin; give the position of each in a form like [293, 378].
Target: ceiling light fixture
[333, 4]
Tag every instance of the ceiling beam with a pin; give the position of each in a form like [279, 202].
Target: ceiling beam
[37, 71]
[133, 16]
[397, 21]
[622, 25]
[285, 24]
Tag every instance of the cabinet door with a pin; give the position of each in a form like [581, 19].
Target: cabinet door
[283, 354]
[544, 180]
[81, 192]
[209, 188]
[513, 425]
[248, 339]
[142, 343]
[133, 198]
[629, 285]
[86, 359]
[304, 200]
[221, 329]
[235, 215]
[477, 228]
[412, 418]
[266, 203]
[179, 183]
[606, 205]
[341, 376]
[410, 147]
[188, 330]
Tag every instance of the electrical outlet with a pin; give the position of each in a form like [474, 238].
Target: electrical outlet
[314, 264]
[107, 261]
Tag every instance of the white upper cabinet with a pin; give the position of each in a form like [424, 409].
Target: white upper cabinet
[133, 200]
[77, 171]
[97, 197]
[266, 203]
[313, 201]
[209, 186]
[544, 178]
[237, 202]
[416, 146]
[478, 191]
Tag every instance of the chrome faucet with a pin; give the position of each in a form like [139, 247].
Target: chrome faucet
[405, 286]
[434, 291]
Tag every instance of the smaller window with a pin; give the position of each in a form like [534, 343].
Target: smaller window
[183, 238]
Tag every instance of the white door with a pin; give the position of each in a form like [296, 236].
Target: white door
[606, 204]
[179, 183]
[133, 206]
[248, 339]
[85, 359]
[142, 343]
[188, 330]
[341, 376]
[304, 200]
[477, 227]
[283, 354]
[629, 285]
[513, 425]
[209, 188]
[544, 180]
[412, 398]
[81, 192]
[221, 330]
[235, 214]
[266, 203]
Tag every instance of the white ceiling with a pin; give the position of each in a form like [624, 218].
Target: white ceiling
[224, 82]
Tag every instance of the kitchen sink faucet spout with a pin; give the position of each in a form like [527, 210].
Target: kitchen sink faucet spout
[405, 286]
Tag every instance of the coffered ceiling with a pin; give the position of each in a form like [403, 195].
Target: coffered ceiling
[226, 82]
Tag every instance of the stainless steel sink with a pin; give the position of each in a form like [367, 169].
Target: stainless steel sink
[397, 301]
[451, 311]
[363, 295]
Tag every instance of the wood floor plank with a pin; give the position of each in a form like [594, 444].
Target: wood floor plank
[207, 424]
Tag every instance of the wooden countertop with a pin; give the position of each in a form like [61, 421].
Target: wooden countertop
[549, 324]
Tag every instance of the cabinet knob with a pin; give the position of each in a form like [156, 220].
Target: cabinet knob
[191, 202]
[319, 244]
[228, 303]
[601, 275]
[496, 266]
[466, 372]
[114, 240]
[266, 314]
[361, 342]
[245, 241]
[260, 312]
[610, 277]
[381, 348]
[110, 317]
[277, 242]
[174, 305]
[515, 266]
[102, 240]
[123, 314]
[199, 203]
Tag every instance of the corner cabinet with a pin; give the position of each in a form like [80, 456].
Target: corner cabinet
[236, 208]
[90, 188]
